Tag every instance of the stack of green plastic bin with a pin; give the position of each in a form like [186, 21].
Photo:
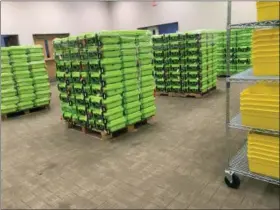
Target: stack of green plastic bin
[23, 77]
[240, 51]
[146, 79]
[98, 79]
[107, 86]
[161, 61]
[131, 93]
[176, 71]
[39, 75]
[200, 61]
[65, 84]
[9, 98]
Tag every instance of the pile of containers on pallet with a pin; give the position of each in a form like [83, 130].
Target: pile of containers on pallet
[240, 47]
[185, 62]
[169, 62]
[199, 67]
[9, 98]
[28, 79]
[105, 79]
[260, 102]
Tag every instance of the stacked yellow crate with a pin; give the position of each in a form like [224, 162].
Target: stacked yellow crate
[267, 10]
[259, 104]
[263, 154]
[265, 52]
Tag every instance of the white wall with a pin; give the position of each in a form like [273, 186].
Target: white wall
[190, 15]
[28, 18]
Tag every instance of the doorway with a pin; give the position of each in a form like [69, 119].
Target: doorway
[8, 40]
[167, 28]
[46, 41]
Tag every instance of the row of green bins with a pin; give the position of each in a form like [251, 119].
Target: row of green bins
[22, 87]
[39, 75]
[200, 61]
[107, 84]
[161, 57]
[23, 77]
[98, 79]
[184, 62]
[145, 71]
[9, 98]
[240, 51]
[169, 52]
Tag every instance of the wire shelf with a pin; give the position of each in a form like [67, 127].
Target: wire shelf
[247, 76]
[262, 24]
[239, 165]
[236, 123]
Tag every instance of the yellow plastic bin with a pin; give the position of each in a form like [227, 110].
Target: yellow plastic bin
[267, 11]
[266, 65]
[259, 99]
[262, 50]
[262, 140]
[266, 33]
[263, 166]
[260, 118]
[262, 90]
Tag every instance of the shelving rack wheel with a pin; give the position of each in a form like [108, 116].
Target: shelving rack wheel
[238, 163]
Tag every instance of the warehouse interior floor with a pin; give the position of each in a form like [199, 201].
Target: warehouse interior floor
[177, 161]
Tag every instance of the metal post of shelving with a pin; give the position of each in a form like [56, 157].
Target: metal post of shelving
[238, 164]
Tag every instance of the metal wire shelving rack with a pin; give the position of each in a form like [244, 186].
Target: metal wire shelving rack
[238, 163]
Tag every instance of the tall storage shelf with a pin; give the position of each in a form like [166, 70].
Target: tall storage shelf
[239, 163]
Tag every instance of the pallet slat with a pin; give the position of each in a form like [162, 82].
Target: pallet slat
[184, 95]
[24, 112]
[103, 135]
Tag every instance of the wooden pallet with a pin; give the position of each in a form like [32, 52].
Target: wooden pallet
[222, 76]
[184, 95]
[25, 112]
[103, 135]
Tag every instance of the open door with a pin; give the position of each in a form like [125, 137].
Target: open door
[46, 41]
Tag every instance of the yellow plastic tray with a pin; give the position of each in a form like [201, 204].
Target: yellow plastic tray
[263, 96]
[265, 69]
[264, 169]
[263, 89]
[267, 11]
[265, 58]
[265, 66]
[263, 48]
[261, 139]
[261, 119]
[266, 33]
[259, 106]
[263, 145]
[265, 43]
[259, 100]
[264, 152]
[267, 153]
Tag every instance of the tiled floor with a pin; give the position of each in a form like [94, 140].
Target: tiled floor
[177, 162]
